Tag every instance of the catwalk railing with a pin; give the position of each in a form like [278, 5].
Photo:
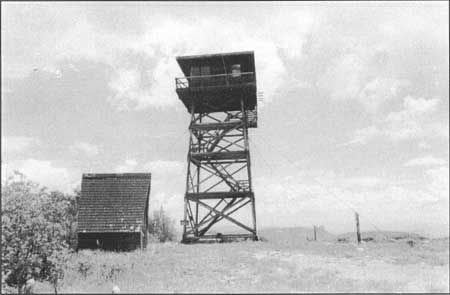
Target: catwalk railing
[214, 80]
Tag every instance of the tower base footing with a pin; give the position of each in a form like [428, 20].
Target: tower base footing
[219, 238]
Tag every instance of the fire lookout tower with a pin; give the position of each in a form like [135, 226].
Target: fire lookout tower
[219, 92]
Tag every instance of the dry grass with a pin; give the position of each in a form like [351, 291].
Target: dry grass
[272, 266]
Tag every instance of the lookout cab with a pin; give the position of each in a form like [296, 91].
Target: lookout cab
[219, 91]
[217, 82]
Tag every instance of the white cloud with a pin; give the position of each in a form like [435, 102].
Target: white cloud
[18, 143]
[175, 37]
[438, 187]
[374, 55]
[129, 166]
[168, 184]
[162, 38]
[428, 160]
[362, 136]
[6, 90]
[419, 105]
[409, 122]
[173, 204]
[361, 181]
[7, 171]
[126, 85]
[439, 129]
[343, 77]
[161, 170]
[352, 70]
[291, 32]
[413, 121]
[424, 145]
[378, 91]
[350, 77]
[297, 200]
[88, 149]
[42, 172]
[439, 182]
[164, 167]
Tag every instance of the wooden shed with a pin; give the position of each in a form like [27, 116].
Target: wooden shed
[113, 211]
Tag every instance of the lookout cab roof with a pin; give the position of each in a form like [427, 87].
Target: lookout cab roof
[245, 58]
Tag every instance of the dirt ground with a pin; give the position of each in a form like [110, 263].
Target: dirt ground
[281, 265]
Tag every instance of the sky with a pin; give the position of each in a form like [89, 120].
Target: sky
[354, 116]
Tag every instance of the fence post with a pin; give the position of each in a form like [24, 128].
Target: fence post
[315, 232]
[358, 234]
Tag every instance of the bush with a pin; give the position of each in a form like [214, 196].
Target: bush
[161, 226]
[37, 232]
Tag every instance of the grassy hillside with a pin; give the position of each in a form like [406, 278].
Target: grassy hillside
[382, 236]
[286, 262]
[291, 234]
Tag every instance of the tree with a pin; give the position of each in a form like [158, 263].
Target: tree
[161, 226]
[37, 230]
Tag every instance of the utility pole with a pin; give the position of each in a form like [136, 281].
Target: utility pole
[358, 234]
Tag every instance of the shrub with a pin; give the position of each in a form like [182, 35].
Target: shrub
[84, 268]
[161, 226]
[111, 272]
[37, 231]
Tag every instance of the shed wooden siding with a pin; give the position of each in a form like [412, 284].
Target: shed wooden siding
[114, 203]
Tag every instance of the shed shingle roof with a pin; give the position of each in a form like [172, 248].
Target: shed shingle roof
[113, 202]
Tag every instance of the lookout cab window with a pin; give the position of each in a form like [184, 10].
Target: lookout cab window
[201, 71]
[205, 71]
[196, 73]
